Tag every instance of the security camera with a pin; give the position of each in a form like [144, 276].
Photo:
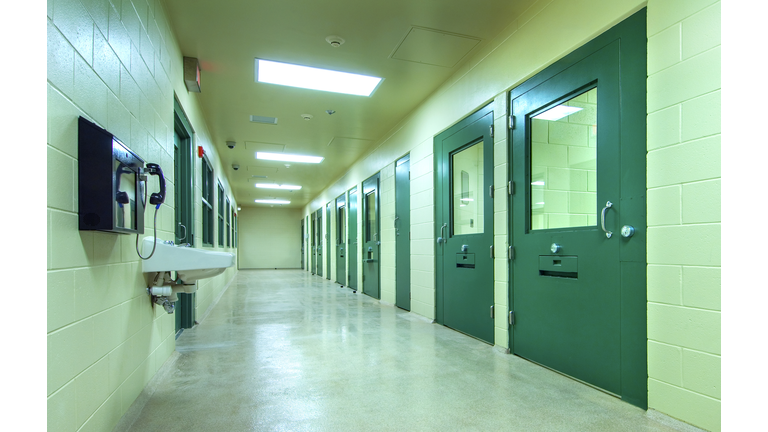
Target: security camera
[231, 144]
[235, 167]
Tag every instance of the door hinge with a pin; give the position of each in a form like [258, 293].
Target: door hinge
[491, 131]
[511, 318]
[491, 251]
[511, 122]
[491, 311]
[511, 253]
[490, 191]
[511, 187]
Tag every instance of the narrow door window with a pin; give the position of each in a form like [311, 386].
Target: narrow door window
[370, 217]
[468, 196]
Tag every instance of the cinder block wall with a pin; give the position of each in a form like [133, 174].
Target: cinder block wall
[684, 210]
[116, 63]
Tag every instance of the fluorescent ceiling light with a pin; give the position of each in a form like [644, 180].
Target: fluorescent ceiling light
[557, 112]
[467, 199]
[315, 79]
[271, 201]
[277, 186]
[537, 183]
[282, 157]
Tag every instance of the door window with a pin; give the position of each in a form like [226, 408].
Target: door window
[467, 196]
[563, 164]
[370, 217]
[342, 226]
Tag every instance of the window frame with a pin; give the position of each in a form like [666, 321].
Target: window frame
[220, 211]
[207, 201]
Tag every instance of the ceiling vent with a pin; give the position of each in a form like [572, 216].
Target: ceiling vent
[264, 120]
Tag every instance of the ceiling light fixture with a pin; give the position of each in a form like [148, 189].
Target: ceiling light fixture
[277, 186]
[271, 201]
[288, 157]
[314, 78]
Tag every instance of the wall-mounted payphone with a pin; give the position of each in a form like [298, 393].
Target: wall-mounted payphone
[112, 183]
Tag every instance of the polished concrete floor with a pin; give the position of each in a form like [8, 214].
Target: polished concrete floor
[284, 350]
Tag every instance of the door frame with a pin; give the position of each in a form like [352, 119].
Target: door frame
[631, 36]
[328, 214]
[403, 227]
[353, 238]
[443, 169]
[377, 211]
[184, 208]
[341, 238]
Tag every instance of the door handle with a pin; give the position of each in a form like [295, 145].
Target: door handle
[395, 222]
[185, 232]
[608, 205]
[442, 239]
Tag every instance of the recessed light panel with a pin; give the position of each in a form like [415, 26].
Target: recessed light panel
[315, 79]
[283, 157]
[277, 186]
[271, 201]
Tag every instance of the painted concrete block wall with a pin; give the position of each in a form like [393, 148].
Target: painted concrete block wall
[684, 210]
[387, 251]
[500, 223]
[422, 229]
[269, 238]
[116, 63]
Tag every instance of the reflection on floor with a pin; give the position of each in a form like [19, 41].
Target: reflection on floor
[287, 351]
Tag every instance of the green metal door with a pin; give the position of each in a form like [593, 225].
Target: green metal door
[319, 241]
[341, 239]
[313, 242]
[464, 226]
[352, 240]
[302, 243]
[328, 241]
[371, 238]
[403, 233]
[578, 157]
[183, 183]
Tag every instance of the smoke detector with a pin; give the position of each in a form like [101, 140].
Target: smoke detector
[335, 41]
[306, 116]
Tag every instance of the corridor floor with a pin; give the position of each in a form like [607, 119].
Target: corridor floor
[284, 350]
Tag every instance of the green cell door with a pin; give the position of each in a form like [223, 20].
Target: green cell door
[371, 239]
[302, 244]
[403, 233]
[313, 242]
[319, 241]
[352, 240]
[328, 240]
[578, 222]
[341, 231]
[183, 192]
[464, 226]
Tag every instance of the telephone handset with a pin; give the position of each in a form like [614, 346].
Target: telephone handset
[121, 196]
[157, 198]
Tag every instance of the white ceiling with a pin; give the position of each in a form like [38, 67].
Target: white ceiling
[415, 45]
